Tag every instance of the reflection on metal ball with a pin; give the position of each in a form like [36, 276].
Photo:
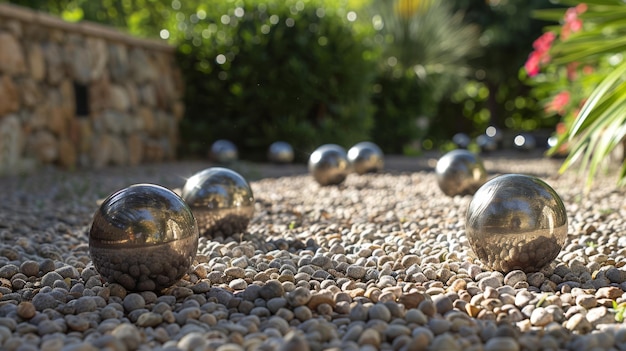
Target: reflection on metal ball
[143, 237]
[221, 200]
[224, 151]
[280, 152]
[525, 142]
[516, 221]
[328, 164]
[486, 143]
[366, 157]
[461, 140]
[460, 172]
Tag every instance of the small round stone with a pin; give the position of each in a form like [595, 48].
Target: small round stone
[238, 284]
[328, 164]
[221, 200]
[26, 310]
[460, 172]
[143, 237]
[30, 268]
[223, 151]
[516, 222]
[280, 152]
[366, 157]
[502, 343]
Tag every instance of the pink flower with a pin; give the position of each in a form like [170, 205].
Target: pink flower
[532, 64]
[572, 23]
[559, 103]
[540, 55]
[543, 43]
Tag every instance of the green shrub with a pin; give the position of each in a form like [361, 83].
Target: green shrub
[398, 108]
[263, 71]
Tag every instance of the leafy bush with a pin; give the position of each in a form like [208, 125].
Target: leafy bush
[426, 48]
[579, 67]
[263, 71]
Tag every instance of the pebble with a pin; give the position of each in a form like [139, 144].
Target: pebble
[43, 301]
[26, 310]
[134, 301]
[50, 278]
[502, 343]
[541, 317]
[379, 311]
[381, 262]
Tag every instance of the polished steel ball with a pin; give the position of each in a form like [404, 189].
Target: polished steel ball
[460, 172]
[366, 157]
[143, 237]
[525, 142]
[280, 152]
[495, 133]
[328, 164]
[461, 140]
[221, 200]
[486, 143]
[224, 151]
[516, 221]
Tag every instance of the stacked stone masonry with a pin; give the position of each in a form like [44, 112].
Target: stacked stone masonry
[83, 95]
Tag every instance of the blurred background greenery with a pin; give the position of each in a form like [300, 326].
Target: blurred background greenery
[405, 74]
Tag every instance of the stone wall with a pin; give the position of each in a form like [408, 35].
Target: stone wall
[83, 95]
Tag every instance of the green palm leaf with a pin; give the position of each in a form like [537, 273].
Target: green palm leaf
[600, 125]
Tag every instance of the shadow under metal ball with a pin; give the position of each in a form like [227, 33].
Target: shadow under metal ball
[516, 221]
[143, 237]
[328, 164]
[221, 200]
[224, 151]
[460, 172]
[280, 152]
[366, 157]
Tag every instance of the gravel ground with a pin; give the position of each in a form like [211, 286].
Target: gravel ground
[379, 262]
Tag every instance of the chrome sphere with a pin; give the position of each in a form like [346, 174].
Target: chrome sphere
[224, 151]
[143, 237]
[280, 152]
[460, 172]
[221, 200]
[461, 140]
[328, 164]
[366, 157]
[486, 143]
[495, 133]
[525, 142]
[516, 221]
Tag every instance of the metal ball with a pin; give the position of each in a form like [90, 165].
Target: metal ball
[460, 172]
[495, 133]
[461, 140]
[143, 237]
[328, 164]
[486, 143]
[525, 142]
[224, 151]
[280, 152]
[516, 221]
[221, 200]
[366, 157]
